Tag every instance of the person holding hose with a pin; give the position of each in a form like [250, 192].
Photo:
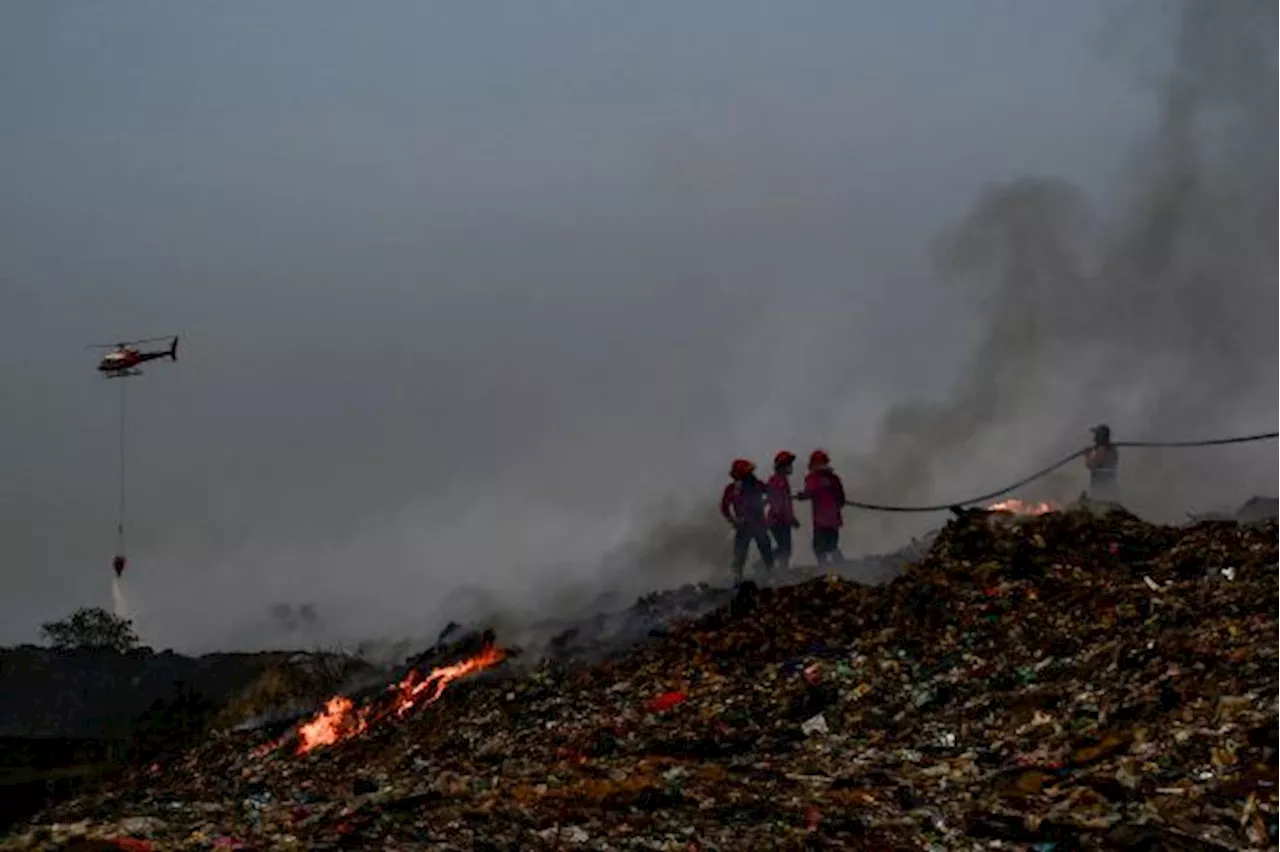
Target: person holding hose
[1102, 459]
[743, 505]
[781, 513]
[825, 491]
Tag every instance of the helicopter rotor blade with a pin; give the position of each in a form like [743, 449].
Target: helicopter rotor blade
[124, 343]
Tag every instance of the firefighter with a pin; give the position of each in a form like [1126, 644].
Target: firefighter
[781, 514]
[823, 488]
[1102, 460]
[743, 506]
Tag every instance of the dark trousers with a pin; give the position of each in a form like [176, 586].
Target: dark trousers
[781, 543]
[742, 539]
[826, 545]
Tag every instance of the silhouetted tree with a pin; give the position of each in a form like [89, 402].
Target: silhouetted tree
[91, 628]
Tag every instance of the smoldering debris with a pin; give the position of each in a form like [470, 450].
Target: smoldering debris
[1252, 511]
[1029, 681]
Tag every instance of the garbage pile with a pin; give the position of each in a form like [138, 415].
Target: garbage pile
[1058, 682]
[1253, 510]
[612, 631]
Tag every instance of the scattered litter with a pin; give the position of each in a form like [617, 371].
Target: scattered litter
[816, 725]
[665, 702]
[1018, 687]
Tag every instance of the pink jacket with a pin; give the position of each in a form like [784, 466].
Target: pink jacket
[781, 511]
[826, 491]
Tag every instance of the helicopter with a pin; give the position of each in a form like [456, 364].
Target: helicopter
[124, 358]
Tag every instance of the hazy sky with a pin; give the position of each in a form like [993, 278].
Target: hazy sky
[465, 289]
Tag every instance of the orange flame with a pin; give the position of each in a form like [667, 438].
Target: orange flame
[341, 719]
[337, 721]
[433, 685]
[1018, 507]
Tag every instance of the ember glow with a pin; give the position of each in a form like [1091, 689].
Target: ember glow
[1018, 507]
[341, 719]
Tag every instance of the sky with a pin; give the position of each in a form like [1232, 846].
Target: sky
[474, 296]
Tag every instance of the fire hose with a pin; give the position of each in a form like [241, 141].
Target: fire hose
[1026, 480]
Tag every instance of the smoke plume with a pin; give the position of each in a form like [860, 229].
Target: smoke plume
[1152, 311]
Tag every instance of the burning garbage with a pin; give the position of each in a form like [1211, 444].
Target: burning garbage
[1072, 681]
[337, 721]
[342, 719]
[1018, 507]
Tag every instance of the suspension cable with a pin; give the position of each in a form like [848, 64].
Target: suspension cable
[120, 499]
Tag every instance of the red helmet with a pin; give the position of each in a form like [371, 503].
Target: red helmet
[783, 458]
[818, 458]
[740, 468]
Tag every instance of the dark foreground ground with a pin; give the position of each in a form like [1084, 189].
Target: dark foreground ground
[1063, 682]
[68, 719]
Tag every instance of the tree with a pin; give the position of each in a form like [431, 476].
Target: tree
[91, 628]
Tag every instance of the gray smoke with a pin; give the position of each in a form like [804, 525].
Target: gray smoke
[444, 347]
[1157, 318]
[1152, 310]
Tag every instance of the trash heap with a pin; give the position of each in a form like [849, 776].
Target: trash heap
[1062, 682]
[611, 631]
